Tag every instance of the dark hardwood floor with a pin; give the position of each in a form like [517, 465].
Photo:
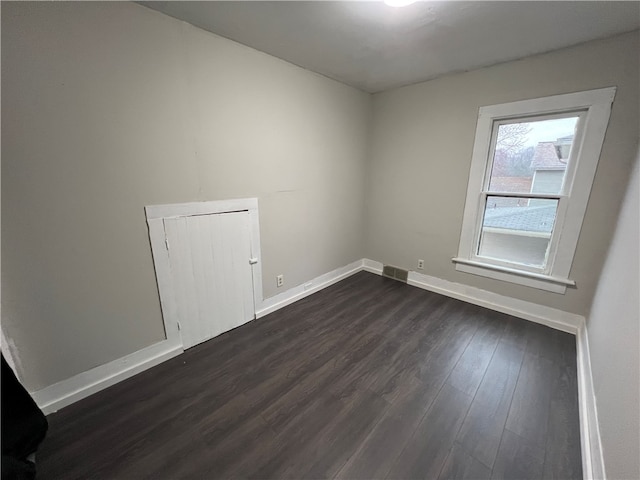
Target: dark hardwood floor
[369, 378]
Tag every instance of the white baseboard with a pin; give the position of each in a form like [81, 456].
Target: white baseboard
[592, 459]
[372, 266]
[294, 294]
[592, 456]
[66, 392]
[551, 317]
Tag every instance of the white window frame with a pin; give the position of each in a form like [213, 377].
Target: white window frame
[594, 108]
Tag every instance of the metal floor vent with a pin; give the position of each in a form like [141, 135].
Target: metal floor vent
[395, 273]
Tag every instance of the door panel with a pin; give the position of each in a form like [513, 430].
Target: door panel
[210, 272]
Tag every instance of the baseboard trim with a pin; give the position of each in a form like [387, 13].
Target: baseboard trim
[372, 266]
[294, 294]
[591, 446]
[551, 317]
[66, 392]
[54, 397]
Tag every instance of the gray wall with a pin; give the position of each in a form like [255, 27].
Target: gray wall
[614, 336]
[421, 153]
[108, 107]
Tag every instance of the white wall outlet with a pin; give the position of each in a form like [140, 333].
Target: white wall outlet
[420, 264]
[279, 280]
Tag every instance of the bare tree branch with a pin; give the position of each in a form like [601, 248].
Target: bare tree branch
[512, 137]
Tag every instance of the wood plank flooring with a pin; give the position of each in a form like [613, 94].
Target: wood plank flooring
[369, 378]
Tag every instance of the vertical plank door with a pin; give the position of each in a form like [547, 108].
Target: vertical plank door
[210, 273]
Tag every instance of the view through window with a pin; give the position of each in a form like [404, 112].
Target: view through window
[527, 172]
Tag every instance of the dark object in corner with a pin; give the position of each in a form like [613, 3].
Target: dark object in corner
[23, 427]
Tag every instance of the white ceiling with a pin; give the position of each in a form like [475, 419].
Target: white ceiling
[374, 47]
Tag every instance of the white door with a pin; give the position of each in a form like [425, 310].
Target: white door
[210, 273]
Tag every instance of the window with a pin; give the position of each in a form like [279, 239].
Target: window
[531, 173]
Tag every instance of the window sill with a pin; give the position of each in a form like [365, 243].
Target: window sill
[534, 280]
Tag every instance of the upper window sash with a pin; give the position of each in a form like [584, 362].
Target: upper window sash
[571, 161]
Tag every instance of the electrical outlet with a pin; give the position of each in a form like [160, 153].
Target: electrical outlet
[279, 280]
[420, 264]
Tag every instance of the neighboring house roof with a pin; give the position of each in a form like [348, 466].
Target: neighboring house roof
[528, 219]
[545, 157]
[510, 184]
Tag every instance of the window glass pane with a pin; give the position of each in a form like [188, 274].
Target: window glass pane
[517, 233]
[532, 156]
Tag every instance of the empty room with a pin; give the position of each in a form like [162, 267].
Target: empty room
[308, 240]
